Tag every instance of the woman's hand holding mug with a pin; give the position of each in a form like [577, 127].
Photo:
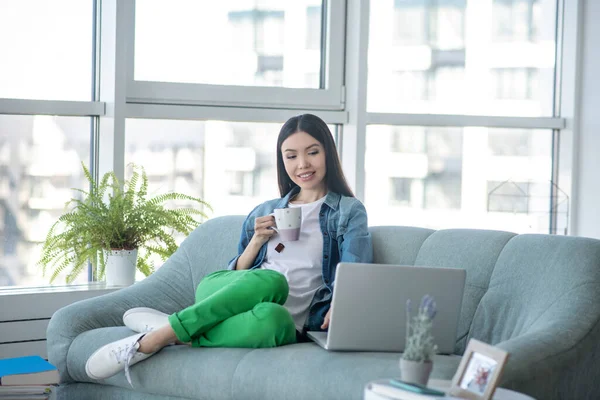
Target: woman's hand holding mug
[263, 229]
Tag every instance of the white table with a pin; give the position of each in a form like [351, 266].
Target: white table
[444, 385]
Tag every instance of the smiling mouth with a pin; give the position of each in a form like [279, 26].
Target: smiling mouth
[307, 175]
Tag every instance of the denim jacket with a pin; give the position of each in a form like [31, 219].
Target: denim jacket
[346, 238]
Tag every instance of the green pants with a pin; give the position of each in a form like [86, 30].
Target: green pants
[237, 309]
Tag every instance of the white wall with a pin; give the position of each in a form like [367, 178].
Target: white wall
[587, 160]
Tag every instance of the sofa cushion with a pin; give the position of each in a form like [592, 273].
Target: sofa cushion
[397, 246]
[306, 371]
[180, 371]
[302, 370]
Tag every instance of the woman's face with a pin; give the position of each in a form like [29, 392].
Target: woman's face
[304, 161]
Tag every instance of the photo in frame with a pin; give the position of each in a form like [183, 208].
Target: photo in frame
[479, 371]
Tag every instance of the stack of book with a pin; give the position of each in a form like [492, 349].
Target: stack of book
[24, 378]
[394, 389]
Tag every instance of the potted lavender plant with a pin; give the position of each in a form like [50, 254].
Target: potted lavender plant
[416, 362]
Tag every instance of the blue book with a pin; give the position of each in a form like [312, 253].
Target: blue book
[30, 370]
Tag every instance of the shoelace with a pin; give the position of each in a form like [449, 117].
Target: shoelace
[126, 354]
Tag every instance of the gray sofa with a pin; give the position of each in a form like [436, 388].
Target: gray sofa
[536, 296]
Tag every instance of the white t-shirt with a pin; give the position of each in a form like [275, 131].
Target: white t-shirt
[301, 262]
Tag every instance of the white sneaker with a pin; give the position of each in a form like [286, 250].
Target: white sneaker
[144, 319]
[114, 357]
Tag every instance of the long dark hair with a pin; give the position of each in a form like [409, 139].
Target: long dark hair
[317, 128]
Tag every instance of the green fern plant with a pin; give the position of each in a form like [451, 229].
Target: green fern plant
[115, 216]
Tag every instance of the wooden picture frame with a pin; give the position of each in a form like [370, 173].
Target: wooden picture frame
[479, 371]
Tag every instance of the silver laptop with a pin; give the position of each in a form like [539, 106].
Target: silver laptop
[369, 306]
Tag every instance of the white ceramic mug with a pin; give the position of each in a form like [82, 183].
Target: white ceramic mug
[288, 221]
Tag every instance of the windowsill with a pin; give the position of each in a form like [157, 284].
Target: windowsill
[92, 286]
[28, 303]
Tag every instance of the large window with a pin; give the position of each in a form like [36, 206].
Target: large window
[46, 53]
[46, 49]
[464, 123]
[47, 58]
[459, 65]
[268, 54]
[475, 57]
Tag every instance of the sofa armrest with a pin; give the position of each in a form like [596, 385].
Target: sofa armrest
[553, 355]
[169, 289]
[528, 354]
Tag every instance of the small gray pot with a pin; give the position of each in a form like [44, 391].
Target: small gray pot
[415, 371]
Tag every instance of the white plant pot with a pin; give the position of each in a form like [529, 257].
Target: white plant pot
[415, 371]
[120, 267]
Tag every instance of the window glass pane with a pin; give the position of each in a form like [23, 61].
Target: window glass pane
[236, 42]
[40, 161]
[230, 165]
[46, 49]
[486, 57]
[460, 177]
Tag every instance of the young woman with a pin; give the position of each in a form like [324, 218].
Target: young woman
[273, 290]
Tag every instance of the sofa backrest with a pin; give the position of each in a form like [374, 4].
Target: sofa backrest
[213, 245]
[476, 251]
[515, 283]
[541, 284]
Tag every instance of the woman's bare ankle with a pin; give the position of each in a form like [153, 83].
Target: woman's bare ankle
[153, 341]
[149, 344]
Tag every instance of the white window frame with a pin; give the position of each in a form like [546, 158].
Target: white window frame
[465, 120]
[229, 114]
[52, 107]
[329, 98]
[570, 28]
